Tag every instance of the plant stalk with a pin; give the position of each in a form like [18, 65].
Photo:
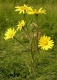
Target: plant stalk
[20, 42]
[27, 32]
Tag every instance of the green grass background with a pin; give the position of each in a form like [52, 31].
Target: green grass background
[13, 56]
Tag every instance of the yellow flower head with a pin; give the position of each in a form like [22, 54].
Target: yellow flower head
[46, 43]
[20, 25]
[23, 9]
[40, 11]
[33, 12]
[9, 33]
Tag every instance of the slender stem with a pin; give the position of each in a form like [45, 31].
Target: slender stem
[32, 64]
[28, 35]
[37, 32]
[32, 53]
[20, 42]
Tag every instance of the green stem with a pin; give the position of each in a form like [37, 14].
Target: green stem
[27, 32]
[37, 32]
[20, 42]
[32, 52]
[32, 64]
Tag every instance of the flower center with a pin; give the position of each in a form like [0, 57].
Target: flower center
[11, 35]
[23, 8]
[45, 43]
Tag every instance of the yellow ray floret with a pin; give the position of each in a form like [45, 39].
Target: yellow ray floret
[23, 9]
[9, 33]
[40, 11]
[45, 43]
[20, 25]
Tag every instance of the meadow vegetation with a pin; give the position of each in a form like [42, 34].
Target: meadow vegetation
[14, 58]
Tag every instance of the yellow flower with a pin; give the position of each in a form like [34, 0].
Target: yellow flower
[46, 43]
[32, 12]
[20, 25]
[23, 9]
[40, 11]
[9, 33]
